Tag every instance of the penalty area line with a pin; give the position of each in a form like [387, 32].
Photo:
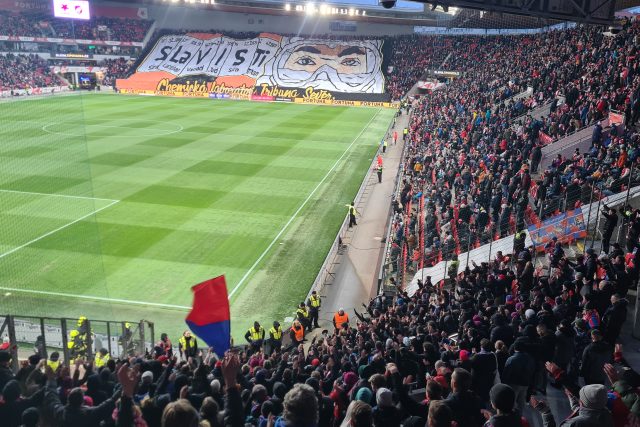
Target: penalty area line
[47, 234]
[89, 297]
[304, 203]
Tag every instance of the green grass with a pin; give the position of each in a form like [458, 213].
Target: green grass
[203, 189]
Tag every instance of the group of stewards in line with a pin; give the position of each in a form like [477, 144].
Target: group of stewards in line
[306, 320]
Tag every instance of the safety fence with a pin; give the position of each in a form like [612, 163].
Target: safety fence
[577, 226]
[326, 272]
[73, 338]
[389, 267]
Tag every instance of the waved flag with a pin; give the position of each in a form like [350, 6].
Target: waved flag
[210, 318]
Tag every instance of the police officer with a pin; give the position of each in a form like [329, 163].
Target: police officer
[255, 336]
[187, 345]
[384, 146]
[303, 315]
[405, 132]
[275, 337]
[314, 310]
[352, 214]
[101, 359]
[379, 172]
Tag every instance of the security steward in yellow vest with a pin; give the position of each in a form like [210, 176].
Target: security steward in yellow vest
[302, 314]
[76, 345]
[296, 333]
[255, 337]
[187, 345]
[314, 304]
[101, 359]
[54, 361]
[275, 337]
[84, 334]
[352, 214]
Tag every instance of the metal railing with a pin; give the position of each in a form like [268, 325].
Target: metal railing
[43, 335]
[336, 248]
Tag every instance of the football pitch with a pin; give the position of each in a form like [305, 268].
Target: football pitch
[114, 206]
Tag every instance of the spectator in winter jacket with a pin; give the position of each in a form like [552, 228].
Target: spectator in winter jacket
[590, 409]
[518, 373]
[594, 357]
[613, 318]
[385, 413]
[503, 400]
[483, 370]
[464, 403]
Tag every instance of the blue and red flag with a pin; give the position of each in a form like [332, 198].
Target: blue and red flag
[209, 317]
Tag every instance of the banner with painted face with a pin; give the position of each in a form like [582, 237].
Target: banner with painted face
[223, 63]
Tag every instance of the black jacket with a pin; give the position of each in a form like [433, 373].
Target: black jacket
[593, 359]
[613, 319]
[483, 371]
[518, 370]
[466, 409]
[66, 416]
[6, 375]
[503, 333]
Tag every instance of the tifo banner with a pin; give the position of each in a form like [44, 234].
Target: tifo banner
[567, 227]
[266, 68]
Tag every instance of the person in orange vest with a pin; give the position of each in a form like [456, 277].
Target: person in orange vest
[395, 137]
[296, 333]
[340, 320]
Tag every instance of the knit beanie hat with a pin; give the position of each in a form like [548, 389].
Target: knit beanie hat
[364, 395]
[593, 396]
[384, 397]
[502, 397]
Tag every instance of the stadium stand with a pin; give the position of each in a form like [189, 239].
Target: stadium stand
[116, 69]
[98, 28]
[502, 324]
[468, 351]
[24, 72]
[481, 194]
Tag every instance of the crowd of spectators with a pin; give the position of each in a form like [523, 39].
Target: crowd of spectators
[115, 69]
[98, 28]
[477, 168]
[25, 72]
[479, 347]
[481, 344]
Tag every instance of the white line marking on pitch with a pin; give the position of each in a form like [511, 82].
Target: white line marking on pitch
[295, 214]
[58, 195]
[88, 297]
[57, 229]
[165, 132]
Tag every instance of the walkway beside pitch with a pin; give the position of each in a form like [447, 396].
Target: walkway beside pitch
[355, 277]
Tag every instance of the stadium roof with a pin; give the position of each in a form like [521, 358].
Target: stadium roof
[480, 14]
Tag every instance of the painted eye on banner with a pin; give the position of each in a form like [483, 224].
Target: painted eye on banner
[350, 62]
[305, 61]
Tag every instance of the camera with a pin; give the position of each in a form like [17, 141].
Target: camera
[387, 4]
